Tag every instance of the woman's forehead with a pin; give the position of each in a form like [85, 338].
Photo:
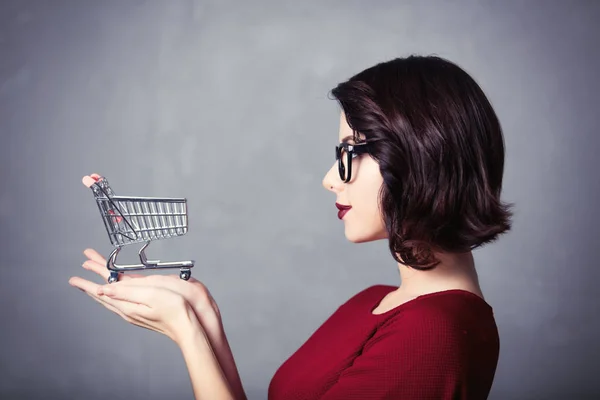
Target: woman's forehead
[345, 129]
[345, 132]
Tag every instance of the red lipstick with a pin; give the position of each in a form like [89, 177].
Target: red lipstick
[342, 210]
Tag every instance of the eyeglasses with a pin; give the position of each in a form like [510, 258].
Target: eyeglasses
[344, 153]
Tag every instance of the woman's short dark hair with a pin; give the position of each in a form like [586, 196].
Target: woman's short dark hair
[440, 150]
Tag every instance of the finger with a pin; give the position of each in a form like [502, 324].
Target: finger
[122, 305]
[90, 288]
[104, 273]
[83, 284]
[130, 310]
[94, 256]
[138, 320]
[105, 304]
[97, 263]
[155, 280]
[99, 269]
[88, 181]
[172, 282]
[130, 293]
[193, 291]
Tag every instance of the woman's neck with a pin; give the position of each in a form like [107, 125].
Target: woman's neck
[455, 271]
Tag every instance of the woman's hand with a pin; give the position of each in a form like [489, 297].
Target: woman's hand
[151, 307]
[193, 291]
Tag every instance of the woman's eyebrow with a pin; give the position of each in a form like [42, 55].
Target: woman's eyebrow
[349, 137]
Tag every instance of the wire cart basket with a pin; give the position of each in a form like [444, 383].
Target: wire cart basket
[132, 220]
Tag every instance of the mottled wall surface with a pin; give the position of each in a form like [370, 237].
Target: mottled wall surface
[225, 103]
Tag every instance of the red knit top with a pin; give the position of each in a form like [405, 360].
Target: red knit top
[440, 346]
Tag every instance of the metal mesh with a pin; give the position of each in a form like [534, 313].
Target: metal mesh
[140, 219]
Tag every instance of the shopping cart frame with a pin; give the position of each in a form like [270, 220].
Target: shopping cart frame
[134, 220]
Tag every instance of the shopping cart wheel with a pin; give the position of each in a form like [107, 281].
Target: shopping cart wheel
[185, 274]
[114, 276]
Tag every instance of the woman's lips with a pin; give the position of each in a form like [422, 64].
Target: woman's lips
[342, 210]
[341, 213]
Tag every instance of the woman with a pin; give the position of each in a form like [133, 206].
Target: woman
[420, 163]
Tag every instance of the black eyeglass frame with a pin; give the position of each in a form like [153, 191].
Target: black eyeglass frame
[352, 151]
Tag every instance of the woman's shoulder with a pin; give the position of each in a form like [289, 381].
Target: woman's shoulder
[453, 311]
[450, 302]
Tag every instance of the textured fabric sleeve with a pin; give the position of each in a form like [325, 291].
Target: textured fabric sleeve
[423, 359]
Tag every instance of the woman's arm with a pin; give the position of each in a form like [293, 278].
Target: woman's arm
[225, 358]
[208, 378]
[214, 334]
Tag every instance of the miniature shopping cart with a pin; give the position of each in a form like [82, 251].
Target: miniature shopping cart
[132, 220]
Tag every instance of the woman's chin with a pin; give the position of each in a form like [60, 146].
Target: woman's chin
[362, 237]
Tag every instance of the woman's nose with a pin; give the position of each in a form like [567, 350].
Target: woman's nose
[332, 180]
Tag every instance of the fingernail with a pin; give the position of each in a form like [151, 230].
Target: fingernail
[84, 265]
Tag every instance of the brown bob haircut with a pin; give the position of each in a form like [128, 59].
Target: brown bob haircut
[440, 150]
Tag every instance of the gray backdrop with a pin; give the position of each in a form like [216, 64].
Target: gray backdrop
[225, 103]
